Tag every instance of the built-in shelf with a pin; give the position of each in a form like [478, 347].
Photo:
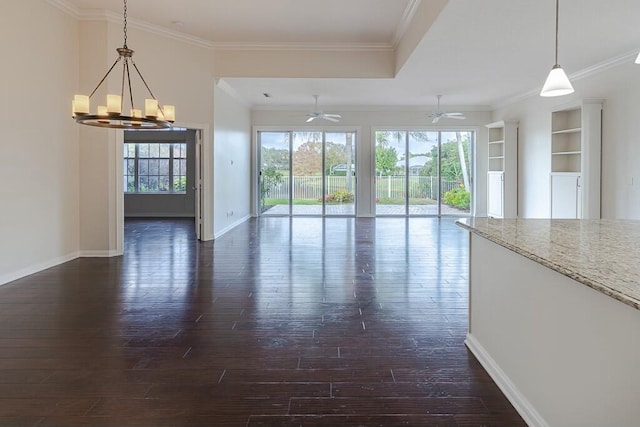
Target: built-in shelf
[575, 161]
[559, 132]
[502, 171]
[564, 153]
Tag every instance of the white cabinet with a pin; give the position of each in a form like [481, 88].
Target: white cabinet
[566, 196]
[495, 193]
[502, 175]
[575, 161]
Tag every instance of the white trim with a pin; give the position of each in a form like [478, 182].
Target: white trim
[66, 7]
[158, 215]
[405, 21]
[99, 254]
[373, 108]
[517, 399]
[231, 227]
[27, 271]
[307, 46]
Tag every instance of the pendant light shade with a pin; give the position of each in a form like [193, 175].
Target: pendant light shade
[557, 83]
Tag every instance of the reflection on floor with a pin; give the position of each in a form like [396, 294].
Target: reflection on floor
[349, 210]
[280, 322]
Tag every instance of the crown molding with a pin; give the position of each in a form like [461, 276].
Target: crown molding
[592, 70]
[405, 21]
[334, 47]
[66, 7]
[372, 108]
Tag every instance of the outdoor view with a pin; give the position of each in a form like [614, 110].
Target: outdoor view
[313, 173]
[307, 173]
[407, 172]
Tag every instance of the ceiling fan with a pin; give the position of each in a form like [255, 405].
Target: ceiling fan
[317, 114]
[439, 114]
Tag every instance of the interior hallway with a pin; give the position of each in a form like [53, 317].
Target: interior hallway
[280, 322]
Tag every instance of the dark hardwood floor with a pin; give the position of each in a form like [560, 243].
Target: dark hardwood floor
[281, 322]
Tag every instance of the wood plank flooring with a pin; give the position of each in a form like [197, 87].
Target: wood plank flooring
[280, 322]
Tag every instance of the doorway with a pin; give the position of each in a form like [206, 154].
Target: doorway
[162, 175]
[307, 173]
[423, 173]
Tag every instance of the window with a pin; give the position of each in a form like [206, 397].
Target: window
[155, 168]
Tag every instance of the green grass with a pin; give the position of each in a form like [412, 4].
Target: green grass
[273, 202]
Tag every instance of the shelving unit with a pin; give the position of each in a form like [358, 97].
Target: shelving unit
[502, 170]
[575, 160]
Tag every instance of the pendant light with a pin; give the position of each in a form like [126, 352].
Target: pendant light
[111, 115]
[557, 83]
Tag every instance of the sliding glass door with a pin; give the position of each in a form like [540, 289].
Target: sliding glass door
[307, 173]
[423, 172]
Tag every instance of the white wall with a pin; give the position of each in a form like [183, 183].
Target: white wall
[232, 161]
[39, 162]
[620, 87]
[366, 122]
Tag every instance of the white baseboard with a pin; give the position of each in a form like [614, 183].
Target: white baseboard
[231, 227]
[99, 254]
[530, 415]
[158, 215]
[7, 278]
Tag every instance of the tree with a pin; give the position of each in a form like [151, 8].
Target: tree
[453, 169]
[270, 177]
[276, 158]
[307, 159]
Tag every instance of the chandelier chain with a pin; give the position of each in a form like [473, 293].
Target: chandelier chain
[125, 23]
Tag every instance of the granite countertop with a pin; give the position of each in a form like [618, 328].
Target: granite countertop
[602, 254]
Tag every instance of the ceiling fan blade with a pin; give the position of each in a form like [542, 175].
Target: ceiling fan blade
[436, 119]
[310, 119]
[335, 116]
[456, 117]
[331, 119]
[454, 114]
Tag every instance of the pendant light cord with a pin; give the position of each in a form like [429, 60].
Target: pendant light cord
[557, 9]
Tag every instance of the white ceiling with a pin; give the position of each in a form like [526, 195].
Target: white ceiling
[477, 53]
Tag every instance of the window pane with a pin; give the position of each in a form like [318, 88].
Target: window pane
[131, 150]
[131, 184]
[153, 167]
[154, 150]
[164, 167]
[153, 183]
[131, 167]
[164, 150]
[143, 184]
[164, 183]
[183, 167]
[143, 167]
[143, 150]
[176, 167]
[179, 183]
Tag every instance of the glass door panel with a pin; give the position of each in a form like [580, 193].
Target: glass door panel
[275, 195]
[455, 188]
[422, 173]
[306, 181]
[391, 172]
[340, 172]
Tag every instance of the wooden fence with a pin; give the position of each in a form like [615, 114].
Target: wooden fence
[387, 187]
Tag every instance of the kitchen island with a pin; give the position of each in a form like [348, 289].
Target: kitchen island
[554, 317]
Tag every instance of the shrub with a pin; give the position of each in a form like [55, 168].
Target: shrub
[458, 197]
[340, 196]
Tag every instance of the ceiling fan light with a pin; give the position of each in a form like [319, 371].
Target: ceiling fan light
[557, 83]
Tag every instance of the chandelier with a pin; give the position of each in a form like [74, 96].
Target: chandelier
[111, 115]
